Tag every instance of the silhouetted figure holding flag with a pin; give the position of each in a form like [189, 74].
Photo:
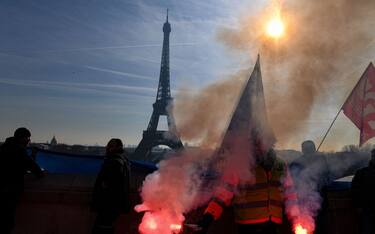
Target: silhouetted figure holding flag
[363, 191]
[14, 163]
[111, 191]
[258, 206]
[253, 180]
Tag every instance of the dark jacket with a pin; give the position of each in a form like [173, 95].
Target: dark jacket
[14, 163]
[363, 188]
[111, 190]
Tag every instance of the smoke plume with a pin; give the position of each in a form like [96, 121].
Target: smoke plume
[202, 116]
[173, 190]
[324, 43]
[311, 173]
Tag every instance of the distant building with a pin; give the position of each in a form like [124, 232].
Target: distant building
[53, 141]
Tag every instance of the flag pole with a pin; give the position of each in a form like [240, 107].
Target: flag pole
[325, 135]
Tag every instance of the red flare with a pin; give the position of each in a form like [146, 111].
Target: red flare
[300, 230]
[160, 223]
[175, 227]
[151, 224]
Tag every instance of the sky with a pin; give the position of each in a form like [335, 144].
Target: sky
[87, 70]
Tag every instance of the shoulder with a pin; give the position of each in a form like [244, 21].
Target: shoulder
[366, 171]
[9, 144]
[117, 161]
[111, 163]
[280, 164]
[361, 173]
[121, 159]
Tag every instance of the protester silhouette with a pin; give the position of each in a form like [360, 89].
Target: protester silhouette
[111, 190]
[311, 174]
[363, 192]
[15, 162]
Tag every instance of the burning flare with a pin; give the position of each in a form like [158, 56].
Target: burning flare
[159, 222]
[300, 230]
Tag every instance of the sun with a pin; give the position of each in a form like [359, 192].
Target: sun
[275, 28]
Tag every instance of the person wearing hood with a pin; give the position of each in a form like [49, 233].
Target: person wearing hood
[363, 193]
[111, 190]
[15, 162]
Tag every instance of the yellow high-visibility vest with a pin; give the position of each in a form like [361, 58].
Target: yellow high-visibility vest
[254, 203]
[262, 201]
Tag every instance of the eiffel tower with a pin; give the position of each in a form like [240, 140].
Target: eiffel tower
[153, 137]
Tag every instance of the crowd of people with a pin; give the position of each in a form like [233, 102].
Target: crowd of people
[258, 207]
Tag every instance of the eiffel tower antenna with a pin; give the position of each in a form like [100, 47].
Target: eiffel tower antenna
[151, 136]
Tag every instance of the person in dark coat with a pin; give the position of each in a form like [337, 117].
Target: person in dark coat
[14, 163]
[111, 190]
[363, 192]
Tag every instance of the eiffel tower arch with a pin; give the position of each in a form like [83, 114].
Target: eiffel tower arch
[151, 136]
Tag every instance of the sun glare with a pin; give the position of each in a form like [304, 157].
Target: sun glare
[275, 28]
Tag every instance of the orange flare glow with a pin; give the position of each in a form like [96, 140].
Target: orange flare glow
[175, 227]
[151, 224]
[300, 230]
[160, 222]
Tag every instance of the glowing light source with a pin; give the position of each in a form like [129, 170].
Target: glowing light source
[300, 230]
[275, 27]
[160, 222]
[151, 224]
[175, 227]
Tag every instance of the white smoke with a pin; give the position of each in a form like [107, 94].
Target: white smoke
[180, 185]
[311, 173]
[173, 190]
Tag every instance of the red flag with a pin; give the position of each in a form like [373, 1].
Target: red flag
[360, 105]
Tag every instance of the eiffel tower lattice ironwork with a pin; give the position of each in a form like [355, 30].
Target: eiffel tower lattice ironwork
[153, 137]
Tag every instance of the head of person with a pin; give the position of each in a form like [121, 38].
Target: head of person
[22, 136]
[264, 156]
[308, 147]
[259, 149]
[269, 159]
[114, 146]
[372, 160]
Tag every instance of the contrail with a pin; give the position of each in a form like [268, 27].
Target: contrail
[100, 48]
[69, 18]
[81, 87]
[132, 75]
[128, 75]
